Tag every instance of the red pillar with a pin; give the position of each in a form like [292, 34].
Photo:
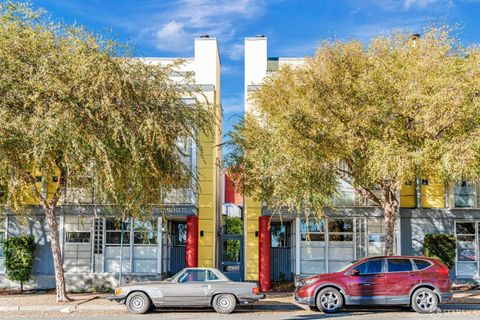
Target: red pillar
[263, 254]
[191, 247]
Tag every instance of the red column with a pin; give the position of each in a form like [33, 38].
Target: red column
[263, 254]
[191, 247]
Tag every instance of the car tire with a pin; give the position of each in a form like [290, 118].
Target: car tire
[314, 308]
[138, 303]
[224, 303]
[424, 300]
[329, 300]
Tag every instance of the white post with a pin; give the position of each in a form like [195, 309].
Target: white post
[160, 245]
[297, 246]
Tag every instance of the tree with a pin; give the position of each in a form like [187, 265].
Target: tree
[233, 226]
[18, 252]
[77, 109]
[371, 115]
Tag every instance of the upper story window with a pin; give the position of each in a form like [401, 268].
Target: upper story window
[465, 194]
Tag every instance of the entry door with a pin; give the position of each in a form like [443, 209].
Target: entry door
[231, 256]
[177, 250]
[280, 252]
[191, 289]
[368, 287]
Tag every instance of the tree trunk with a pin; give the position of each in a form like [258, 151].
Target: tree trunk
[57, 255]
[390, 207]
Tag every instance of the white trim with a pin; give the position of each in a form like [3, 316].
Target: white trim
[160, 245]
[297, 246]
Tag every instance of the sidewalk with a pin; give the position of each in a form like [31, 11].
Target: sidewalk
[98, 302]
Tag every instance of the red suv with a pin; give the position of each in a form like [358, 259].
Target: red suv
[419, 282]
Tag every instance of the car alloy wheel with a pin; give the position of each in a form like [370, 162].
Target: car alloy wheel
[224, 303]
[329, 300]
[424, 301]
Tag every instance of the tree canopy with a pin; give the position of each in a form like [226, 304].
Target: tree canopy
[371, 115]
[79, 107]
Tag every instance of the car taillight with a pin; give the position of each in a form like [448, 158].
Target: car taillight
[255, 290]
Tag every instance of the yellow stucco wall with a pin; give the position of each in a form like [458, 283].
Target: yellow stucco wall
[253, 210]
[408, 194]
[433, 193]
[209, 191]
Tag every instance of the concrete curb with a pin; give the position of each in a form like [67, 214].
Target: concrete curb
[66, 309]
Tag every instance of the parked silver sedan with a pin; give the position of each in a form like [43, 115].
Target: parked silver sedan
[191, 287]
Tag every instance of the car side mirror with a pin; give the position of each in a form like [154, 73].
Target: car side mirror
[354, 272]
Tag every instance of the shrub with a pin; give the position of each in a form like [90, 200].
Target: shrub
[441, 246]
[18, 252]
[233, 225]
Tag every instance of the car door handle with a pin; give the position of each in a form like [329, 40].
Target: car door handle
[366, 284]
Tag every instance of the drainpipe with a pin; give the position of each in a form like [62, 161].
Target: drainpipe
[418, 187]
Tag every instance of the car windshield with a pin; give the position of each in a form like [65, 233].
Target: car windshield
[345, 267]
[181, 271]
[174, 276]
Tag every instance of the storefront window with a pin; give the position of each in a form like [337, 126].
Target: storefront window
[466, 248]
[340, 230]
[114, 231]
[77, 237]
[145, 232]
[314, 230]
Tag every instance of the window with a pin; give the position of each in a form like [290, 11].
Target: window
[77, 237]
[280, 235]
[113, 231]
[340, 230]
[211, 276]
[145, 232]
[179, 233]
[399, 265]
[370, 267]
[314, 230]
[466, 241]
[465, 194]
[196, 275]
[422, 264]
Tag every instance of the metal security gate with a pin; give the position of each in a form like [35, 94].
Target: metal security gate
[280, 252]
[280, 264]
[177, 259]
[231, 256]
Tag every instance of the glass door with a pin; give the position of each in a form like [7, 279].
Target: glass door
[467, 249]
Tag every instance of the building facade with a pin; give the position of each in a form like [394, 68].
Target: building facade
[182, 232]
[299, 246]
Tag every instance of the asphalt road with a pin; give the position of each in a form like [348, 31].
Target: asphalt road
[290, 312]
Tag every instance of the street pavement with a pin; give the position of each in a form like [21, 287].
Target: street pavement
[280, 312]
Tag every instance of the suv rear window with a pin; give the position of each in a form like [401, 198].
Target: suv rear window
[422, 264]
[398, 265]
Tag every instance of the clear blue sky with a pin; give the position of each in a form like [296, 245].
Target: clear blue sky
[293, 27]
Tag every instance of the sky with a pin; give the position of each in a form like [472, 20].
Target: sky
[166, 28]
